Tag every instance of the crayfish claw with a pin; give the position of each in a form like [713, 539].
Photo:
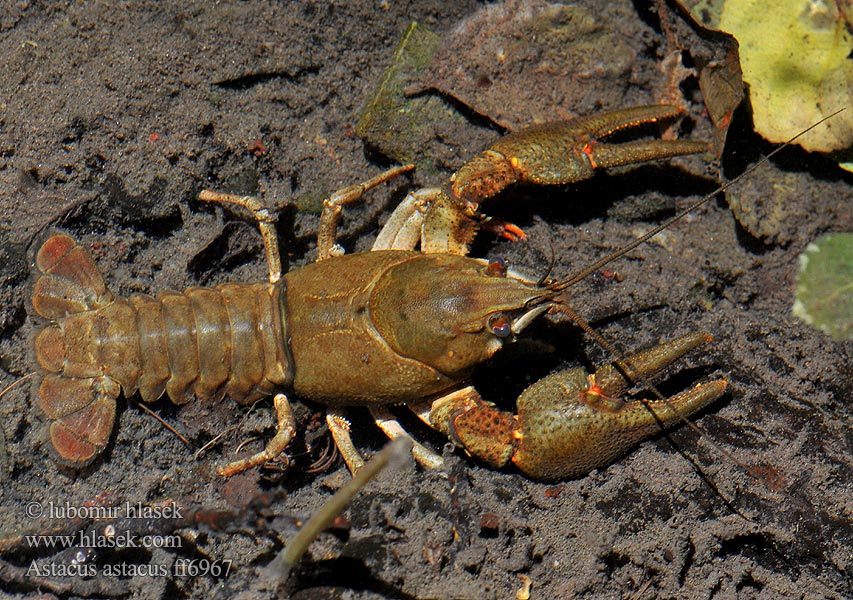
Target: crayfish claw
[556, 153]
[571, 422]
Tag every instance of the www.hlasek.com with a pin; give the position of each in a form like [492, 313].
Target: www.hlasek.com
[109, 537]
[82, 565]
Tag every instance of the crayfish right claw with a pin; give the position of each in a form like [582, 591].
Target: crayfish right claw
[571, 422]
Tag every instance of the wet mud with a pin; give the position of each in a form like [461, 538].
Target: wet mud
[112, 121]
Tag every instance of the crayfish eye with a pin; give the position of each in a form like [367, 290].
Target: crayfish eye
[496, 268]
[500, 325]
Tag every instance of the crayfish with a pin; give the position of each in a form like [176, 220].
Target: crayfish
[376, 328]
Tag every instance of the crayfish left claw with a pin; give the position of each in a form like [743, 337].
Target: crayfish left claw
[571, 422]
[555, 153]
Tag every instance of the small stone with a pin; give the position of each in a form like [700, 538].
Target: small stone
[489, 525]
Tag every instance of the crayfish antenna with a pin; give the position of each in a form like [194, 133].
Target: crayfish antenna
[16, 383]
[553, 261]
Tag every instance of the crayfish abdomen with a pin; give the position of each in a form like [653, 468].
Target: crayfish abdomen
[204, 342]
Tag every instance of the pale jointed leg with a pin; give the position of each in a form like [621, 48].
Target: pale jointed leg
[392, 428]
[404, 227]
[286, 428]
[332, 206]
[339, 427]
[266, 223]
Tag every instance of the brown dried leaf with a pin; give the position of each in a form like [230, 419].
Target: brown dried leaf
[715, 54]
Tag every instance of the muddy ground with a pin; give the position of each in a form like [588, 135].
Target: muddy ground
[112, 119]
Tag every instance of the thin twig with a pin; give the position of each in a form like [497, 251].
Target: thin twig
[392, 453]
[165, 424]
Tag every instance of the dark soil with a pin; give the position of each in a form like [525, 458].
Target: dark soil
[113, 118]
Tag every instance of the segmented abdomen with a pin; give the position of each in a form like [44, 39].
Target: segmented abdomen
[203, 342]
[200, 343]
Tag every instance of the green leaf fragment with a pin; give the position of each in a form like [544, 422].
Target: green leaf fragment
[795, 56]
[824, 296]
[400, 126]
